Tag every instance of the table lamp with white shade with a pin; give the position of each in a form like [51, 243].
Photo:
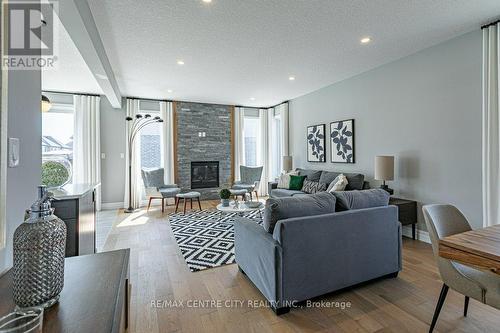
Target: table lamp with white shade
[384, 170]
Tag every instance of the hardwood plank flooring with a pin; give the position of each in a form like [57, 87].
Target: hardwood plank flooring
[158, 273]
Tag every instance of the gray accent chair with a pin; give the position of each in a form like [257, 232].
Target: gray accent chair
[156, 188]
[250, 180]
[309, 256]
[447, 220]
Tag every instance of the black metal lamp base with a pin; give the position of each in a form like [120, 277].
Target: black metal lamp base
[129, 210]
[386, 188]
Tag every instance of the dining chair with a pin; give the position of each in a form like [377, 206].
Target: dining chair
[156, 187]
[250, 180]
[483, 286]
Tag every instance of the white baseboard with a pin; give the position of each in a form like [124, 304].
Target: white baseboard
[111, 205]
[144, 203]
[419, 234]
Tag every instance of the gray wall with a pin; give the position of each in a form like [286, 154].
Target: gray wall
[25, 123]
[112, 145]
[425, 109]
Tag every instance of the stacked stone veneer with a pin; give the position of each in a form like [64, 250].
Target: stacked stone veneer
[215, 121]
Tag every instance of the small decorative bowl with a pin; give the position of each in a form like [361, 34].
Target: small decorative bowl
[253, 204]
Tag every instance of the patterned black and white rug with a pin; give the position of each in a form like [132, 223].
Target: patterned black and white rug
[206, 238]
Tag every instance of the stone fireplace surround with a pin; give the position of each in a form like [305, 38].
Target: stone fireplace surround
[202, 132]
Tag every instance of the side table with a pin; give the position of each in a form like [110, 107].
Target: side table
[407, 212]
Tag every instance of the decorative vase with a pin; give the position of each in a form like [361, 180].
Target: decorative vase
[225, 202]
[39, 250]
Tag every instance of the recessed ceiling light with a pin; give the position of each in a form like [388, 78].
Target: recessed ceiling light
[170, 91]
[207, 1]
[180, 62]
[252, 98]
[291, 78]
[365, 40]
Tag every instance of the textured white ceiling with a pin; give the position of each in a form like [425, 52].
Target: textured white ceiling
[238, 49]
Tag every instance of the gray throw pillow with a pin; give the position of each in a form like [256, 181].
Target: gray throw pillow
[355, 181]
[313, 187]
[312, 175]
[348, 200]
[277, 209]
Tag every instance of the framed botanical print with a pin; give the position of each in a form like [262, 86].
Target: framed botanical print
[316, 143]
[342, 141]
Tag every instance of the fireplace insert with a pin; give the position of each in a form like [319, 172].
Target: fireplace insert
[204, 174]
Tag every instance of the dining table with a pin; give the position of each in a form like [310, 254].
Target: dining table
[479, 248]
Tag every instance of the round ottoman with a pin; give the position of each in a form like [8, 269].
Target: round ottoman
[236, 192]
[187, 196]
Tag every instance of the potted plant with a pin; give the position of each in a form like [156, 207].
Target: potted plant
[56, 172]
[225, 194]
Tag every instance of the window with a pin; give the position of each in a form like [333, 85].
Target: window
[150, 137]
[150, 143]
[57, 133]
[251, 131]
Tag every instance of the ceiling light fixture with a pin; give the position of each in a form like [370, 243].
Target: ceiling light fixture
[46, 104]
[291, 78]
[170, 91]
[180, 62]
[365, 40]
[252, 98]
[207, 1]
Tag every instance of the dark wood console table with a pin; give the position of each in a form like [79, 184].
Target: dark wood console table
[95, 297]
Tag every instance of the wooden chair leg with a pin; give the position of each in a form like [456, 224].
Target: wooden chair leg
[199, 204]
[439, 305]
[251, 198]
[176, 203]
[257, 195]
[163, 205]
[149, 204]
[191, 203]
[466, 305]
[185, 202]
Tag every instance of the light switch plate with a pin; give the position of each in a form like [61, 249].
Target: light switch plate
[122, 155]
[103, 156]
[14, 152]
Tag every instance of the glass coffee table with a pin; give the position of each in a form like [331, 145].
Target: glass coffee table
[241, 209]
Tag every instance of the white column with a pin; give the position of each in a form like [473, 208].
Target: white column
[491, 126]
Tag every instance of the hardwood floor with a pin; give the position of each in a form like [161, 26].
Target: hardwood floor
[158, 273]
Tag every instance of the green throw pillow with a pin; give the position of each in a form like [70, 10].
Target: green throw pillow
[296, 182]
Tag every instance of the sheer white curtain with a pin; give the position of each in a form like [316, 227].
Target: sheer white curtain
[282, 109]
[279, 135]
[87, 143]
[491, 125]
[239, 141]
[263, 148]
[137, 188]
[167, 114]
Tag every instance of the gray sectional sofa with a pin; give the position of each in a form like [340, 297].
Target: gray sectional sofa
[313, 249]
[356, 181]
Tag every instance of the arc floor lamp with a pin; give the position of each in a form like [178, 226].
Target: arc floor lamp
[138, 122]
